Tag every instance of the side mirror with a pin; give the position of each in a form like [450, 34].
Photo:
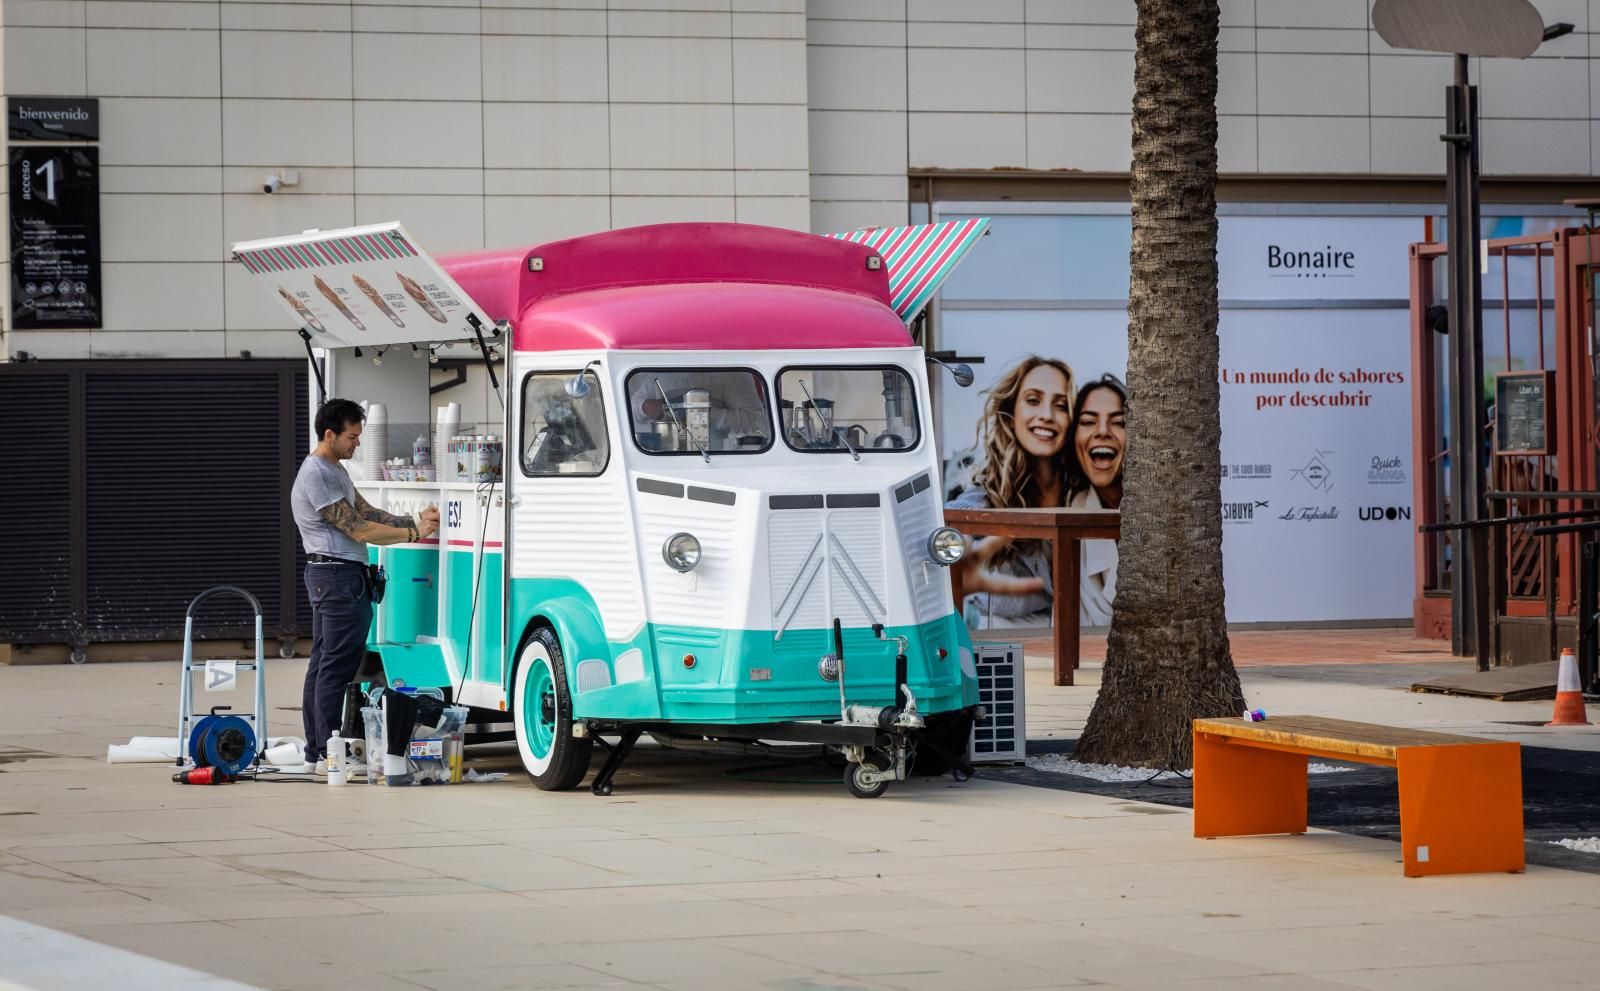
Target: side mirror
[961, 373]
[576, 387]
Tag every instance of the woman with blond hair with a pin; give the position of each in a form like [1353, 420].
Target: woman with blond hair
[1027, 463]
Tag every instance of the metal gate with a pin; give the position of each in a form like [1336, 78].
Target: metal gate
[1538, 325]
[135, 485]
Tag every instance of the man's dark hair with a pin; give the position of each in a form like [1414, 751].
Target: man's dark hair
[337, 415]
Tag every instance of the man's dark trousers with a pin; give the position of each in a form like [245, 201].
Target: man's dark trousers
[341, 615]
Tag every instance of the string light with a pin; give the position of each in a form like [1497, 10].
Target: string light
[416, 352]
[358, 352]
[377, 359]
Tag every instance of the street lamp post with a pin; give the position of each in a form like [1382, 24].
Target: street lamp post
[1495, 29]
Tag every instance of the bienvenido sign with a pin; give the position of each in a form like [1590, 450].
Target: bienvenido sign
[52, 118]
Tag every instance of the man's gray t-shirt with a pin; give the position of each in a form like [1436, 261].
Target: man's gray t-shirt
[320, 484]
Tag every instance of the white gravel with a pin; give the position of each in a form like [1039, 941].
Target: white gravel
[1062, 764]
[1589, 844]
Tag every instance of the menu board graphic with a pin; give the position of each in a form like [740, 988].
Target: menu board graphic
[1522, 415]
[55, 237]
[361, 286]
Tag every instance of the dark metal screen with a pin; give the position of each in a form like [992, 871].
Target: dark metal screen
[151, 482]
[36, 588]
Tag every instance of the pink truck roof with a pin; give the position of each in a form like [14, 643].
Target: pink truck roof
[685, 287]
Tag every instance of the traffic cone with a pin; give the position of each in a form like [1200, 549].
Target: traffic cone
[1569, 693]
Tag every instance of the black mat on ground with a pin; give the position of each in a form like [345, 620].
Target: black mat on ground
[1560, 792]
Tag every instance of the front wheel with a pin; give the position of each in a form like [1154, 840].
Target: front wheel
[555, 759]
[858, 787]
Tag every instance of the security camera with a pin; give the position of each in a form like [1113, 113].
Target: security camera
[279, 179]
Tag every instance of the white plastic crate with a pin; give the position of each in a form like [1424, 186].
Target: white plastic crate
[1001, 737]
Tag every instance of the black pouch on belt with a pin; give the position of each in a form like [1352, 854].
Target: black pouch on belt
[377, 581]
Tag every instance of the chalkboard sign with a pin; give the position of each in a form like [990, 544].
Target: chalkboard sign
[55, 237]
[1523, 423]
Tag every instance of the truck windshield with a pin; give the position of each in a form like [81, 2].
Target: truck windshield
[839, 408]
[695, 410]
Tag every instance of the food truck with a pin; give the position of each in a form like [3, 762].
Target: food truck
[700, 500]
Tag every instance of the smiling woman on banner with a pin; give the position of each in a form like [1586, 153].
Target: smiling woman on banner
[1099, 441]
[1026, 465]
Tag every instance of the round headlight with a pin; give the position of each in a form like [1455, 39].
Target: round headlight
[681, 552]
[946, 545]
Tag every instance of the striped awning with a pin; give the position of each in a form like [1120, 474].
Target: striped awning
[346, 249]
[919, 258]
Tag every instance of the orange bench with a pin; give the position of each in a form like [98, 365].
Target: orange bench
[1460, 796]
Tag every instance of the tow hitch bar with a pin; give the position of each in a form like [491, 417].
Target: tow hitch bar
[871, 770]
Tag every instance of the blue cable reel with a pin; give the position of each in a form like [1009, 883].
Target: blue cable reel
[226, 743]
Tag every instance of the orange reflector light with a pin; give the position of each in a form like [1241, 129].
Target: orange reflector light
[688, 660]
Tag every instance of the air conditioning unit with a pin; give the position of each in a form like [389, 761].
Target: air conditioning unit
[1001, 736]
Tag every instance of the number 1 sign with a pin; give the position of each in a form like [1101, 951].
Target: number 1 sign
[55, 237]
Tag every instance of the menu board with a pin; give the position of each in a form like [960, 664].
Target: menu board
[361, 286]
[1522, 420]
[55, 237]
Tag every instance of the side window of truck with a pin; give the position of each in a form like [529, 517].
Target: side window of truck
[563, 434]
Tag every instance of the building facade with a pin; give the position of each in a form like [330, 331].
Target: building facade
[493, 122]
[484, 123]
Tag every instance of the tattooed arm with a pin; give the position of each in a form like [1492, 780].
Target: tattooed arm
[373, 514]
[368, 531]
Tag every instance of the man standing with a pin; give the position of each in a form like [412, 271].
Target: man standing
[336, 524]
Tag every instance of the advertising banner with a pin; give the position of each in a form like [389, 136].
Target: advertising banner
[1315, 392]
[55, 237]
[361, 286]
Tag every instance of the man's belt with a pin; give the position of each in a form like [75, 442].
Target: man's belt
[329, 559]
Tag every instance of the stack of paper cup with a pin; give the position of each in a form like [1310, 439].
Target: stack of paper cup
[447, 421]
[374, 441]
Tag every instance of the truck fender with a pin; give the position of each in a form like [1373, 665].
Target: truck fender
[578, 627]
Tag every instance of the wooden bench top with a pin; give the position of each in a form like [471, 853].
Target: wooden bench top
[1332, 736]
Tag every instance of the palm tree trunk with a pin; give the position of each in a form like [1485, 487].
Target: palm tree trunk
[1167, 657]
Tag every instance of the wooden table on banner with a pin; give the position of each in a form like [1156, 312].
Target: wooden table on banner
[1063, 528]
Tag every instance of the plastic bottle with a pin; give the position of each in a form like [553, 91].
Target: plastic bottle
[422, 451]
[335, 752]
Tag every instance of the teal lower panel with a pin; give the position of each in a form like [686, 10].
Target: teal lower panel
[410, 606]
[756, 676]
[741, 676]
[458, 605]
[418, 665]
[486, 637]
